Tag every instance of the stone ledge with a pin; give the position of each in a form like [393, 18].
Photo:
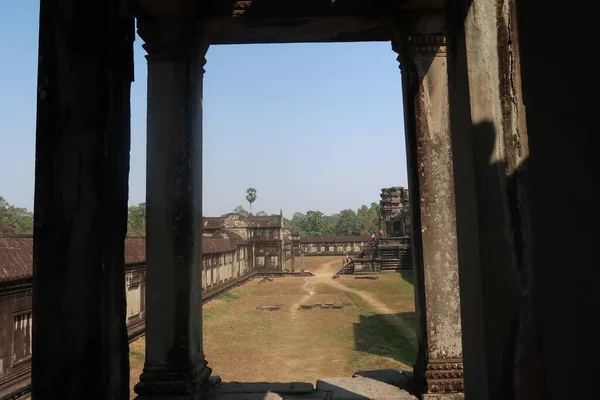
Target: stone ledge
[360, 388]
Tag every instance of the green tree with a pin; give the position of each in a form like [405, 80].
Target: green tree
[331, 222]
[136, 220]
[251, 197]
[298, 221]
[348, 223]
[368, 218]
[15, 220]
[262, 214]
[314, 224]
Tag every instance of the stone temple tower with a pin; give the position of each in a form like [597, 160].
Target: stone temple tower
[395, 213]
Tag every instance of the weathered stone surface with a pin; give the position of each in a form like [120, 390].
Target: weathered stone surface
[265, 387]
[81, 191]
[389, 376]
[362, 388]
[250, 396]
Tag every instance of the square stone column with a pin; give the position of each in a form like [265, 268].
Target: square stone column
[438, 372]
[85, 69]
[175, 367]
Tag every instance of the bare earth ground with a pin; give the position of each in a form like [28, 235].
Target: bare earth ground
[244, 344]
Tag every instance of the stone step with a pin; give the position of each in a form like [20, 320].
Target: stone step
[361, 388]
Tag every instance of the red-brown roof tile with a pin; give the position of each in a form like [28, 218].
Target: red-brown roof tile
[217, 245]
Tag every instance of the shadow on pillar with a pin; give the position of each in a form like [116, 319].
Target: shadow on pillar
[501, 350]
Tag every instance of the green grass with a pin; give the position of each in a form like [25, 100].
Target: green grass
[138, 355]
[229, 298]
[374, 335]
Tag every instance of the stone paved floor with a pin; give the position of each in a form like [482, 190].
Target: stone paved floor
[373, 385]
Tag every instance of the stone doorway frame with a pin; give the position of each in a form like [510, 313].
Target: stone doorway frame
[81, 191]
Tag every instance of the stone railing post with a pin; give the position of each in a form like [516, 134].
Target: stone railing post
[175, 366]
[438, 371]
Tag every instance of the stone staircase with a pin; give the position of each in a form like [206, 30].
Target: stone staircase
[395, 258]
[367, 252]
[391, 258]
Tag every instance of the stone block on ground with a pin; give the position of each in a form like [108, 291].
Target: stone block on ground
[337, 306]
[306, 306]
[361, 388]
[389, 376]
[269, 308]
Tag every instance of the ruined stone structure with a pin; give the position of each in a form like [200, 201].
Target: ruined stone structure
[262, 238]
[498, 109]
[293, 248]
[391, 251]
[333, 245]
[394, 212]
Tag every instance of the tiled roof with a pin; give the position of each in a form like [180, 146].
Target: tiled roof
[212, 222]
[217, 245]
[135, 250]
[16, 257]
[16, 252]
[334, 239]
[270, 221]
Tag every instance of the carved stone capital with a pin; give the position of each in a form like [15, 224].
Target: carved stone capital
[173, 39]
[426, 44]
[416, 47]
[444, 376]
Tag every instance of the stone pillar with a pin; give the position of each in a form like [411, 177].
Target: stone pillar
[85, 70]
[491, 153]
[438, 372]
[175, 367]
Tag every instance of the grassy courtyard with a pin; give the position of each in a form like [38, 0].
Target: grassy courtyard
[242, 343]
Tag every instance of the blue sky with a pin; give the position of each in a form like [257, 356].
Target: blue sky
[310, 126]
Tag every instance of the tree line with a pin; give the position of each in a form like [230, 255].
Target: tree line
[348, 222]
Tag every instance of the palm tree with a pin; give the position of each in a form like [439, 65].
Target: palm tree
[251, 197]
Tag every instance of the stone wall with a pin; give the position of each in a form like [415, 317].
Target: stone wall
[220, 268]
[263, 237]
[15, 336]
[16, 326]
[333, 245]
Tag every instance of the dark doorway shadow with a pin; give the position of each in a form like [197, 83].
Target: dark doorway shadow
[381, 335]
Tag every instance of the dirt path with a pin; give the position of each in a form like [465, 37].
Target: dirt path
[307, 286]
[324, 272]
